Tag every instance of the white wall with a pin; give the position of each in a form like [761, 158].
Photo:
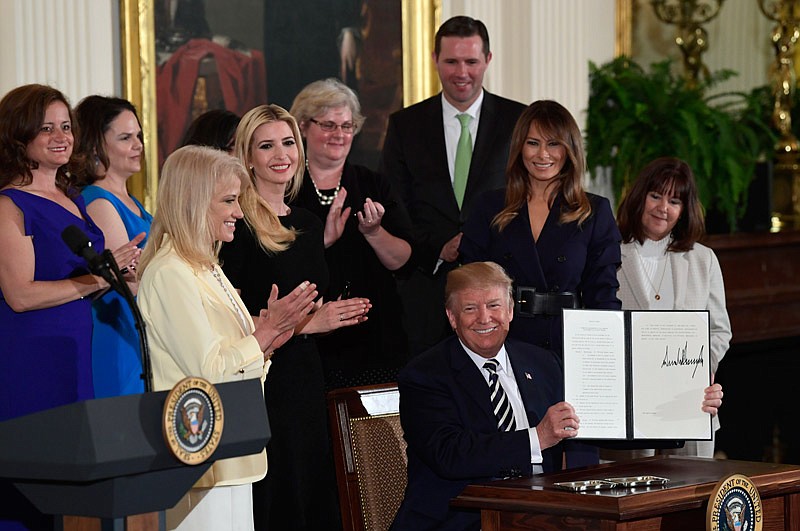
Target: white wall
[541, 49]
[72, 45]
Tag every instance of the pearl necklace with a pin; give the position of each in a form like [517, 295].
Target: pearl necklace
[245, 325]
[324, 199]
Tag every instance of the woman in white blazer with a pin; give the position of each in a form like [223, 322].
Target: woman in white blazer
[197, 324]
[665, 268]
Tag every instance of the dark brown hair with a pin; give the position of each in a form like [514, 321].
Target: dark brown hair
[665, 175]
[556, 123]
[94, 115]
[461, 26]
[22, 113]
[215, 128]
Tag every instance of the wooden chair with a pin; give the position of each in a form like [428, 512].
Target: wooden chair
[370, 455]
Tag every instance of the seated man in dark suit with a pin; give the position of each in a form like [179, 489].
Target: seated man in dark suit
[467, 418]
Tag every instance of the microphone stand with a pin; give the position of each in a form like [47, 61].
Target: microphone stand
[122, 287]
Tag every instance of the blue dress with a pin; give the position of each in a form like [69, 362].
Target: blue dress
[116, 358]
[45, 355]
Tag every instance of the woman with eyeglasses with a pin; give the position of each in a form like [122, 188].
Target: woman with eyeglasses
[367, 234]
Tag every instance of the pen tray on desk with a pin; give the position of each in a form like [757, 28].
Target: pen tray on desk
[585, 486]
[638, 481]
[611, 483]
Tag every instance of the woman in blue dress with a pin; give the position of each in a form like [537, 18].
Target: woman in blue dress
[110, 140]
[45, 289]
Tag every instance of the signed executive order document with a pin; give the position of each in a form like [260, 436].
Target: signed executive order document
[638, 374]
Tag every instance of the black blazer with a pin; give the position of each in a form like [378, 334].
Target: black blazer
[451, 431]
[583, 260]
[415, 159]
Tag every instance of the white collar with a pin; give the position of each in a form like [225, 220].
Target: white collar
[478, 360]
[474, 110]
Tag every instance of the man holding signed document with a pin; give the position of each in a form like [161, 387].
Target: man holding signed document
[480, 406]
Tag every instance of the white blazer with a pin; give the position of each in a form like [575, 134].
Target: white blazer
[193, 330]
[697, 284]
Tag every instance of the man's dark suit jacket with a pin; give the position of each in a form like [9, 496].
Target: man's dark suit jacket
[451, 430]
[415, 160]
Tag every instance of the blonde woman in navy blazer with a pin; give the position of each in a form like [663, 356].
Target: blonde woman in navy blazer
[665, 268]
[559, 243]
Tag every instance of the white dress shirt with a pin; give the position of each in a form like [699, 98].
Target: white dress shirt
[452, 128]
[505, 374]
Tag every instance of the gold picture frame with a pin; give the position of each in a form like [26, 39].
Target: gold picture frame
[137, 30]
[623, 44]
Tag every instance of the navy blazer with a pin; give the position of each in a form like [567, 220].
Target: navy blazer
[451, 430]
[583, 260]
[415, 160]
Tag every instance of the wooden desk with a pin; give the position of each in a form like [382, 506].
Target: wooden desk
[533, 503]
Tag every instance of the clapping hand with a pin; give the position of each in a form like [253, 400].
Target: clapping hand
[337, 314]
[369, 220]
[127, 257]
[336, 219]
[450, 248]
[277, 323]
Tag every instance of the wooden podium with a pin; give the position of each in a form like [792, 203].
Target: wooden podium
[534, 503]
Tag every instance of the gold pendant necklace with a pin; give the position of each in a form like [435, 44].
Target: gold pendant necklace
[657, 290]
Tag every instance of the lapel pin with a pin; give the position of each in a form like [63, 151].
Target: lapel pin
[528, 376]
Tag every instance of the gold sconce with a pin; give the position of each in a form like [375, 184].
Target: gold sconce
[786, 186]
[692, 38]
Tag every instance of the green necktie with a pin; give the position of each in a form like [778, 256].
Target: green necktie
[463, 158]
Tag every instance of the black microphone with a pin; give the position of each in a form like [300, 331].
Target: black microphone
[103, 264]
[99, 263]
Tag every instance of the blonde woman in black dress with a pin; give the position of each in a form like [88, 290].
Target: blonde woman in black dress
[276, 244]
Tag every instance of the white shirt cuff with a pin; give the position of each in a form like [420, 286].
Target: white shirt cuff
[536, 450]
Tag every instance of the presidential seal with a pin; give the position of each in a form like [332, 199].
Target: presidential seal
[734, 505]
[193, 420]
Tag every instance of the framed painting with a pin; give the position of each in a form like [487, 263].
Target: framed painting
[181, 58]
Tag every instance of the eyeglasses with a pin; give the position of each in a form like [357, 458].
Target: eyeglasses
[347, 128]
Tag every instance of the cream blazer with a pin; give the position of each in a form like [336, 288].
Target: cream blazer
[697, 284]
[193, 330]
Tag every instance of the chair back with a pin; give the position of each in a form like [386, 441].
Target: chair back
[370, 455]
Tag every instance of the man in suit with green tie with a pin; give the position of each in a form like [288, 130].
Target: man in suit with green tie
[441, 154]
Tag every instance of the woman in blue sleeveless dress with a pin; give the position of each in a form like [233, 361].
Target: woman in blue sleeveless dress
[45, 316]
[110, 140]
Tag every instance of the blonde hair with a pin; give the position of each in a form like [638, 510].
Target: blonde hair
[189, 179]
[262, 221]
[317, 97]
[477, 275]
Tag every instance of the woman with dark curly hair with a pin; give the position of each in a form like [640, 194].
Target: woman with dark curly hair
[559, 243]
[45, 310]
